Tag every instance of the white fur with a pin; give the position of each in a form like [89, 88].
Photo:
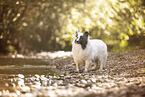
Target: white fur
[96, 49]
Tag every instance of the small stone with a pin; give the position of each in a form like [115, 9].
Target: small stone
[21, 82]
[93, 80]
[6, 84]
[12, 84]
[37, 83]
[55, 85]
[18, 92]
[50, 77]
[29, 79]
[37, 77]
[44, 83]
[54, 77]
[25, 89]
[12, 95]
[20, 75]
[84, 81]
[5, 92]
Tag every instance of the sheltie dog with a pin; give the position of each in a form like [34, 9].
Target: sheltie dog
[87, 51]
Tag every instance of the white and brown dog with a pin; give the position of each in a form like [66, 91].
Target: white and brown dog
[87, 51]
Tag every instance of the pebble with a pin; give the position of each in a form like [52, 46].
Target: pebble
[83, 81]
[20, 75]
[27, 95]
[21, 82]
[18, 92]
[25, 89]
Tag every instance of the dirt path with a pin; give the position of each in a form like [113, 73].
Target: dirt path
[126, 64]
[123, 76]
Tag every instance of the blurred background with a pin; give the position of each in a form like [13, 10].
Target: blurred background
[49, 25]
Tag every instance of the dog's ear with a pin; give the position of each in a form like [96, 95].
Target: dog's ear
[77, 31]
[86, 33]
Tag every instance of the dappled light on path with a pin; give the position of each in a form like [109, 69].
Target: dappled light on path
[45, 55]
[53, 55]
[124, 75]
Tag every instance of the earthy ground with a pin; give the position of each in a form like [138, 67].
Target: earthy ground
[123, 76]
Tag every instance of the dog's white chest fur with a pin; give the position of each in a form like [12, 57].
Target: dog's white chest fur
[79, 54]
[93, 50]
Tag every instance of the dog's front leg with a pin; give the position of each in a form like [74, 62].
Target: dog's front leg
[86, 65]
[77, 66]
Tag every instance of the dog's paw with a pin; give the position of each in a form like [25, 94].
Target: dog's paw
[86, 70]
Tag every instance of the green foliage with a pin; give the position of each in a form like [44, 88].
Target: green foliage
[113, 21]
[49, 25]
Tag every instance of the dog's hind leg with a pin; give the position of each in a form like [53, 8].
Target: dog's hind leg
[96, 64]
[102, 63]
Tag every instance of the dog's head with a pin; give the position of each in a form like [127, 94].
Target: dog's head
[82, 38]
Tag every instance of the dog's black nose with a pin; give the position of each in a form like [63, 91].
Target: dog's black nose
[77, 41]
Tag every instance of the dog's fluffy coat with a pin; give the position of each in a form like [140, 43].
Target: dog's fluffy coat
[87, 51]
